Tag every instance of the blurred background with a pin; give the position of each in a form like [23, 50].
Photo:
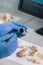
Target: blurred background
[8, 5]
[32, 22]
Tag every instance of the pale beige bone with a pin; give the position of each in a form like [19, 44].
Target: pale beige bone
[40, 55]
[22, 53]
[7, 17]
[36, 61]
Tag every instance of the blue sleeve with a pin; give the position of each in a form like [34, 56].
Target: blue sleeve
[8, 45]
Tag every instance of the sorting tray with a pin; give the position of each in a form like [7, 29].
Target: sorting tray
[23, 60]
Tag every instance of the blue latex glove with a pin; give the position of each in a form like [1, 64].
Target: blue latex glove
[11, 27]
[8, 37]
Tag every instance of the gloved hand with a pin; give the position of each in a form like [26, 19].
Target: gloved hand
[8, 37]
[11, 27]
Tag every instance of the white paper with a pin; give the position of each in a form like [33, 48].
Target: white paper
[24, 61]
